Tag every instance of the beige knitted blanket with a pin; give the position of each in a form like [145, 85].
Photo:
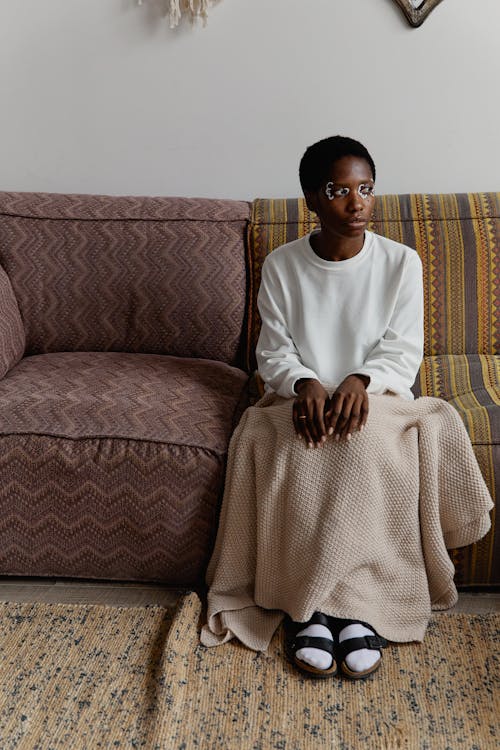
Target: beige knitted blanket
[355, 529]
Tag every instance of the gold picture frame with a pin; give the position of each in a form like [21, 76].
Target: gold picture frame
[416, 11]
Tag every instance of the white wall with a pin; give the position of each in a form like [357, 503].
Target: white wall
[100, 96]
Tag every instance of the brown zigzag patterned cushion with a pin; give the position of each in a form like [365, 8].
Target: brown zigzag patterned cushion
[116, 463]
[158, 275]
[12, 338]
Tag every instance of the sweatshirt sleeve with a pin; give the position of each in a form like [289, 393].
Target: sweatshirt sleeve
[277, 356]
[394, 361]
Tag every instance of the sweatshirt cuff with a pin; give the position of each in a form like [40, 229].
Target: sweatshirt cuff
[286, 388]
[374, 386]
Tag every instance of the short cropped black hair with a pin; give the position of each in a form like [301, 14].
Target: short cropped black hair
[318, 159]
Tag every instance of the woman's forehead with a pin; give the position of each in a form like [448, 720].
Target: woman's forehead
[350, 169]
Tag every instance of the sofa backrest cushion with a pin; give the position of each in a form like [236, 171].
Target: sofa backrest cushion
[12, 337]
[132, 274]
[458, 239]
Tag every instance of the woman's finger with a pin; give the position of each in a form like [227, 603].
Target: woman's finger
[319, 421]
[334, 413]
[354, 418]
[300, 421]
[364, 411]
[308, 436]
[355, 421]
[296, 417]
[343, 418]
[305, 430]
[311, 420]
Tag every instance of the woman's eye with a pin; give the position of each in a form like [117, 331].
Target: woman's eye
[332, 192]
[366, 191]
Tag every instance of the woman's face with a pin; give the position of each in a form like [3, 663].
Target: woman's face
[344, 203]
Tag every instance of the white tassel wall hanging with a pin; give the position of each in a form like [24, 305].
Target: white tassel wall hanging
[193, 8]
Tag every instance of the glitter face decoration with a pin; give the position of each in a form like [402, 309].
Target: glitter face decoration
[365, 190]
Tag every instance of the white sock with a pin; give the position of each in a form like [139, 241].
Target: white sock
[316, 657]
[364, 658]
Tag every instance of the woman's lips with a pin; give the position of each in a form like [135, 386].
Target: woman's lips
[356, 223]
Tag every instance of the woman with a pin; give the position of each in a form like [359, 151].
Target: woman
[342, 492]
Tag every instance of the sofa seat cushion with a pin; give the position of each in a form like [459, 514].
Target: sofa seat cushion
[471, 383]
[112, 465]
[113, 394]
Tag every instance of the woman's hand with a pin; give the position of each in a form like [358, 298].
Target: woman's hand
[309, 411]
[348, 407]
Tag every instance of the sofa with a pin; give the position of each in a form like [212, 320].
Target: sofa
[128, 328]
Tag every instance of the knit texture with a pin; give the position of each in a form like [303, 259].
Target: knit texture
[355, 529]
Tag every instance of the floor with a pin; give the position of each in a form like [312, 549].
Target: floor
[120, 594]
[74, 591]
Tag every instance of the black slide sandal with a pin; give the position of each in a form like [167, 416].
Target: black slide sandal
[372, 642]
[295, 643]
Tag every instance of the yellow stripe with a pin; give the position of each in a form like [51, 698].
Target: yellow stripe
[455, 284]
[484, 451]
[272, 218]
[481, 286]
[273, 237]
[399, 224]
[471, 402]
[479, 431]
[484, 455]
[473, 562]
[490, 367]
[422, 248]
[493, 512]
[422, 379]
[433, 378]
[271, 212]
[430, 240]
[454, 389]
[485, 247]
[301, 212]
[493, 315]
[437, 380]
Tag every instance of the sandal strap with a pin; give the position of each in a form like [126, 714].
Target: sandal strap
[309, 641]
[319, 618]
[372, 642]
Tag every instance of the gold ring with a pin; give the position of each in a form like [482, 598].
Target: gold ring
[302, 417]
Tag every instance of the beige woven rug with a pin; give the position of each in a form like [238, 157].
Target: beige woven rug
[77, 676]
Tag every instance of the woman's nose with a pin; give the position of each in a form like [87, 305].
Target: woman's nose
[355, 202]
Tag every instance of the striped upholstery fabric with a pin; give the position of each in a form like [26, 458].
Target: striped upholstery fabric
[457, 237]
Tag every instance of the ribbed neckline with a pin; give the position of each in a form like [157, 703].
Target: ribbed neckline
[336, 265]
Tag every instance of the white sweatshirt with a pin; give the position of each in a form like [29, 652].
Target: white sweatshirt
[329, 319]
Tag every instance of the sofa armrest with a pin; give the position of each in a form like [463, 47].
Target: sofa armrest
[12, 334]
